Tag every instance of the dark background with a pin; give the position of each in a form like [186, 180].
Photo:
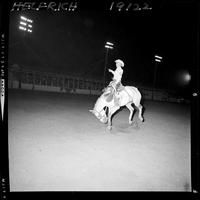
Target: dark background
[72, 43]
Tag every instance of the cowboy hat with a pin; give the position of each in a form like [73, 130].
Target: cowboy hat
[120, 61]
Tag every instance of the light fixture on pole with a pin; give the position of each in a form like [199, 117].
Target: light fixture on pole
[158, 59]
[25, 24]
[108, 46]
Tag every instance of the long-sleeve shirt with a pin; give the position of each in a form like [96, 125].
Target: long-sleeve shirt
[117, 74]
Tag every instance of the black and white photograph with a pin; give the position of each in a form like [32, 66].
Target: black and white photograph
[101, 96]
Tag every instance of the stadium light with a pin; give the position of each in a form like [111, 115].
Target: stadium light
[23, 18]
[159, 57]
[108, 45]
[25, 24]
[157, 60]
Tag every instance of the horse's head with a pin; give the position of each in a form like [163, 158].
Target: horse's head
[100, 115]
[99, 111]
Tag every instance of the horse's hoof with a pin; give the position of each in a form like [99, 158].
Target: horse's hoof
[135, 125]
[130, 122]
[142, 119]
[109, 128]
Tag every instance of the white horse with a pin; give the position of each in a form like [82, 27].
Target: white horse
[126, 97]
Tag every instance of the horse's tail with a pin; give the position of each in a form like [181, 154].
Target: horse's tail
[135, 94]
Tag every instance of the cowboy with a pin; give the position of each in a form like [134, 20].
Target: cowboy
[117, 75]
[116, 81]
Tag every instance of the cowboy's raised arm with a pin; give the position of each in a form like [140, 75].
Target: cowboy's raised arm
[110, 70]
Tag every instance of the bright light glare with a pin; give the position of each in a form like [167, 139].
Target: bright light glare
[23, 23]
[187, 77]
[183, 77]
[26, 23]
[157, 60]
[156, 56]
[22, 28]
[108, 47]
[109, 43]
[28, 20]
[24, 18]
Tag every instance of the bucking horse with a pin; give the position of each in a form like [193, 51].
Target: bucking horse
[110, 101]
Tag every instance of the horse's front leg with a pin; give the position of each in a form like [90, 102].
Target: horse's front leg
[111, 112]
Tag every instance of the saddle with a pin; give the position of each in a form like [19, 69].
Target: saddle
[110, 92]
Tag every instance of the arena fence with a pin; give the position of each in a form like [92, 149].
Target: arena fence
[43, 81]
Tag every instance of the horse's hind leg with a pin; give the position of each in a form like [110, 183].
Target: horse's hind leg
[131, 109]
[140, 112]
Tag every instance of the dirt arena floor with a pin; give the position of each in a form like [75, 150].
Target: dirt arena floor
[56, 144]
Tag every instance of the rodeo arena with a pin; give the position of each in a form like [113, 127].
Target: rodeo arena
[77, 133]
